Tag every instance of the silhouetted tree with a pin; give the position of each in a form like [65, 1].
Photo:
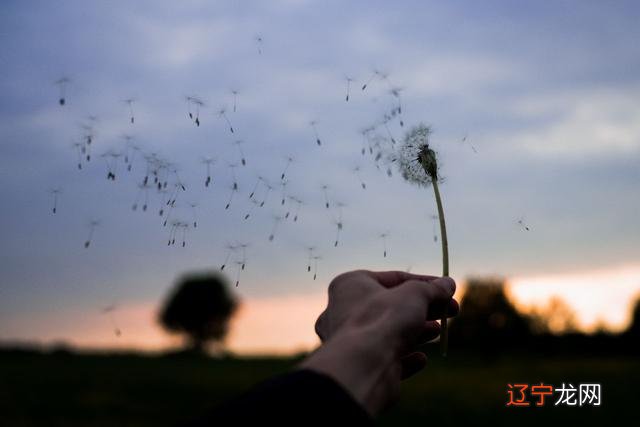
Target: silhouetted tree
[200, 307]
[634, 327]
[488, 317]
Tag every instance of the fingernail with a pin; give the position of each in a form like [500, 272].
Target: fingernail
[446, 283]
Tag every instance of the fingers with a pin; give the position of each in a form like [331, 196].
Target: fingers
[413, 363]
[390, 279]
[437, 311]
[435, 292]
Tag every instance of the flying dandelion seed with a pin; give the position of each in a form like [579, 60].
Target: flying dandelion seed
[55, 192]
[175, 225]
[366, 140]
[395, 92]
[465, 140]
[434, 220]
[316, 259]
[349, 80]
[80, 148]
[62, 87]
[194, 103]
[111, 159]
[238, 272]
[267, 191]
[357, 171]
[276, 221]
[163, 198]
[522, 223]
[222, 112]
[289, 160]
[109, 311]
[194, 208]
[231, 249]
[143, 192]
[234, 190]
[313, 124]
[299, 204]
[254, 203]
[238, 144]
[326, 196]
[374, 74]
[185, 228]
[385, 122]
[310, 250]
[259, 43]
[337, 221]
[283, 192]
[243, 249]
[92, 226]
[418, 164]
[130, 102]
[384, 236]
[235, 99]
[255, 187]
[234, 179]
[208, 162]
[129, 150]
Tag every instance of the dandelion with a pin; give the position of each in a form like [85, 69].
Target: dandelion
[418, 164]
[395, 92]
[310, 250]
[283, 190]
[62, 86]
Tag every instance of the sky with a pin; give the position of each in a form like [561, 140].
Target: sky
[535, 114]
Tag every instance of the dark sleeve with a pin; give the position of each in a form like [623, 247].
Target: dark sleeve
[301, 397]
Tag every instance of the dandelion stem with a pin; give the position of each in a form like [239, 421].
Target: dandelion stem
[444, 341]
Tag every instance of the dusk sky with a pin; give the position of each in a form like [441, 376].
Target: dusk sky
[535, 108]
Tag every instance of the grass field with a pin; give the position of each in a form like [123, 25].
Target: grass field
[66, 389]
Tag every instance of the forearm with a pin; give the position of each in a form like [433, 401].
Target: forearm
[361, 362]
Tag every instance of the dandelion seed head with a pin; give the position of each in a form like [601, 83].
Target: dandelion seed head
[416, 161]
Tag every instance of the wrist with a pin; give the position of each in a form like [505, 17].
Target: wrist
[359, 361]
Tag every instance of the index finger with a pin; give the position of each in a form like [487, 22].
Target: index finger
[390, 279]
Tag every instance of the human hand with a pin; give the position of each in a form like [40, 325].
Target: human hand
[372, 324]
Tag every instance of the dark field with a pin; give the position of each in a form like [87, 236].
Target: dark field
[66, 389]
